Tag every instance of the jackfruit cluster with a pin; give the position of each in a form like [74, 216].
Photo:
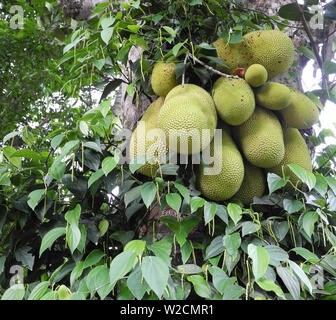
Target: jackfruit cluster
[246, 126]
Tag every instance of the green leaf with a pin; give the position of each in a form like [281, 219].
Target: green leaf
[183, 191]
[50, 237]
[292, 206]
[306, 254]
[103, 227]
[93, 258]
[84, 128]
[162, 249]
[305, 176]
[39, 290]
[274, 182]
[137, 285]
[137, 246]
[92, 145]
[233, 292]
[108, 165]
[302, 276]
[76, 272]
[73, 236]
[174, 201]
[329, 67]
[235, 212]
[8, 151]
[209, 212]
[290, 281]
[107, 34]
[189, 269]
[170, 31]
[260, 259]
[249, 227]
[269, 285]
[215, 248]
[196, 203]
[95, 177]
[35, 197]
[331, 183]
[27, 154]
[177, 48]
[276, 255]
[148, 193]
[232, 243]
[195, 2]
[201, 287]
[321, 184]
[307, 52]
[15, 292]
[308, 222]
[132, 195]
[57, 169]
[121, 265]
[156, 273]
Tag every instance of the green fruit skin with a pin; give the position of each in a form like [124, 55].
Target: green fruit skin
[296, 152]
[226, 183]
[273, 96]
[186, 112]
[256, 75]
[272, 49]
[234, 100]
[261, 139]
[154, 151]
[254, 185]
[301, 113]
[163, 78]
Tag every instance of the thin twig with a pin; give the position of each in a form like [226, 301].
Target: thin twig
[212, 69]
[184, 69]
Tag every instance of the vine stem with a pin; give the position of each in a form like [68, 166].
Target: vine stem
[211, 69]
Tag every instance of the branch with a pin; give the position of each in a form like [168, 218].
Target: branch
[212, 69]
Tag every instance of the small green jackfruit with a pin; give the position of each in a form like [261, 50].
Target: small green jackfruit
[273, 95]
[234, 100]
[271, 48]
[163, 78]
[256, 75]
[146, 142]
[224, 184]
[296, 152]
[254, 184]
[186, 117]
[261, 139]
[301, 113]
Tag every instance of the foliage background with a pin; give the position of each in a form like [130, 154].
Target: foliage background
[71, 215]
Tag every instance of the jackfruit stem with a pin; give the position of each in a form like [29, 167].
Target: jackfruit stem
[212, 69]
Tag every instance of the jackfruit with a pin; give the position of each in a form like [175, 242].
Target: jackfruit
[229, 167]
[273, 95]
[234, 100]
[254, 184]
[301, 113]
[163, 78]
[261, 139]
[296, 152]
[272, 49]
[146, 145]
[256, 75]
[188, 116]
[233, 55]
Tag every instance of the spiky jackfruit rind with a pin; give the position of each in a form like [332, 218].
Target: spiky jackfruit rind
[226, 183]
[273, 96]
[155, 150]
[261, 139]
[186, 112]
[163, 78]
[296, 152]
[302, 113]
[253, 185]
[234, 100]
[256, 75]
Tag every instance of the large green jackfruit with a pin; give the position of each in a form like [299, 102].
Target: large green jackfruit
[301, 113]
[234, 100]
[187, 116]
[228, 159]
[147, 145]
[296, 152]
[273, 95]
[256, 75]
[163, 78]
[261, 139]
[272, 49]
[254, 184]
